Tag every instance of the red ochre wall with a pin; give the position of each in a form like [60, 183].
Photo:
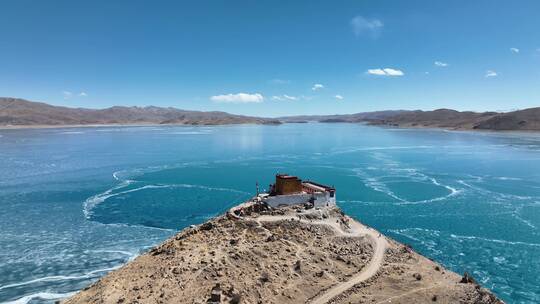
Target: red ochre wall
[288, 185]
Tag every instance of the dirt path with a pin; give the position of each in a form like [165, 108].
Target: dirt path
[356, 230]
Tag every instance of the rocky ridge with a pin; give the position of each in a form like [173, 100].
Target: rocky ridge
[255, 254]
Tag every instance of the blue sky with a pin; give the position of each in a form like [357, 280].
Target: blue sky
[272, 58]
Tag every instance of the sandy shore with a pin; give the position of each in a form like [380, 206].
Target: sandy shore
[16, 127]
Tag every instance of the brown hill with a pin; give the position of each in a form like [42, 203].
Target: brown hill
[20, 112]
[357, 117]
[256, 254]
[528, 119]
[523, 120]
[441, 118]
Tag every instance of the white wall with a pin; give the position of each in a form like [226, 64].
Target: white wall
[291, 199]
[321, 199]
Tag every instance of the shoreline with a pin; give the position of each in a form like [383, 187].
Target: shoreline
[458, 130]
[37, 127]
[433, 128]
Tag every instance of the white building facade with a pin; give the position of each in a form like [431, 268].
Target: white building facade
[302, 192]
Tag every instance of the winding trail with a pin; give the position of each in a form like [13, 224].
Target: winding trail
[356, 230]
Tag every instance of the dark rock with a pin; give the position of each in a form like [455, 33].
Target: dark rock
[207, 226]
[298, 266]
[271, 238]
[235, 299]
[265, 277]
[215, 294]
[467, 279]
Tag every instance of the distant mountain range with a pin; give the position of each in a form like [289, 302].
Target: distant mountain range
[524, 120]
[20, 112]
[358, 117]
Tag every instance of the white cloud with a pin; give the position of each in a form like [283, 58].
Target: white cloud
[67, 94]
[392, 72]
[441, 64]
[490, 73]
[385, 72]
[361, 25]
[238, 98]
[514, 50]
[83, 94]
[379, 72]
[339, 97]
[317, 87]
[285, 97]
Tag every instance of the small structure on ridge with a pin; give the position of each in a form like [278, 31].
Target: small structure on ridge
[291, 190]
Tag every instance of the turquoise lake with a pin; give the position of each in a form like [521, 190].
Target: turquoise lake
[76, 203]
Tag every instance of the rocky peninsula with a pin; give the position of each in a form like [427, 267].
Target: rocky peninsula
[289, 254]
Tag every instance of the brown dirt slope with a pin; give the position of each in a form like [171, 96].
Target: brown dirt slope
[20, 112]
[297, 258]
[526, 120]
[441, 118]
[522, 120]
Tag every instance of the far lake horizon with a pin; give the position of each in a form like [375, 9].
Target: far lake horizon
[79, 202]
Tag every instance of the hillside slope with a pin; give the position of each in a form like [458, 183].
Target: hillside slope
[441, 118]
[357, 117]
[528, 119]
[289, 255]
[522, 120]
[20, 112]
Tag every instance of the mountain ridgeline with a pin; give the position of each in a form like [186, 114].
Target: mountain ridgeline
[16, 112]
[522, 120]
[19, 112]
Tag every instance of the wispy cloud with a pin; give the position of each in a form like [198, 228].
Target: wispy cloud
[317, 87]
[67, 94]
[385, 72]
[361, 26]
[440, 64]
[238, 98]
[490, 73]
[514, 50]
[285, 97]
[339, 97]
